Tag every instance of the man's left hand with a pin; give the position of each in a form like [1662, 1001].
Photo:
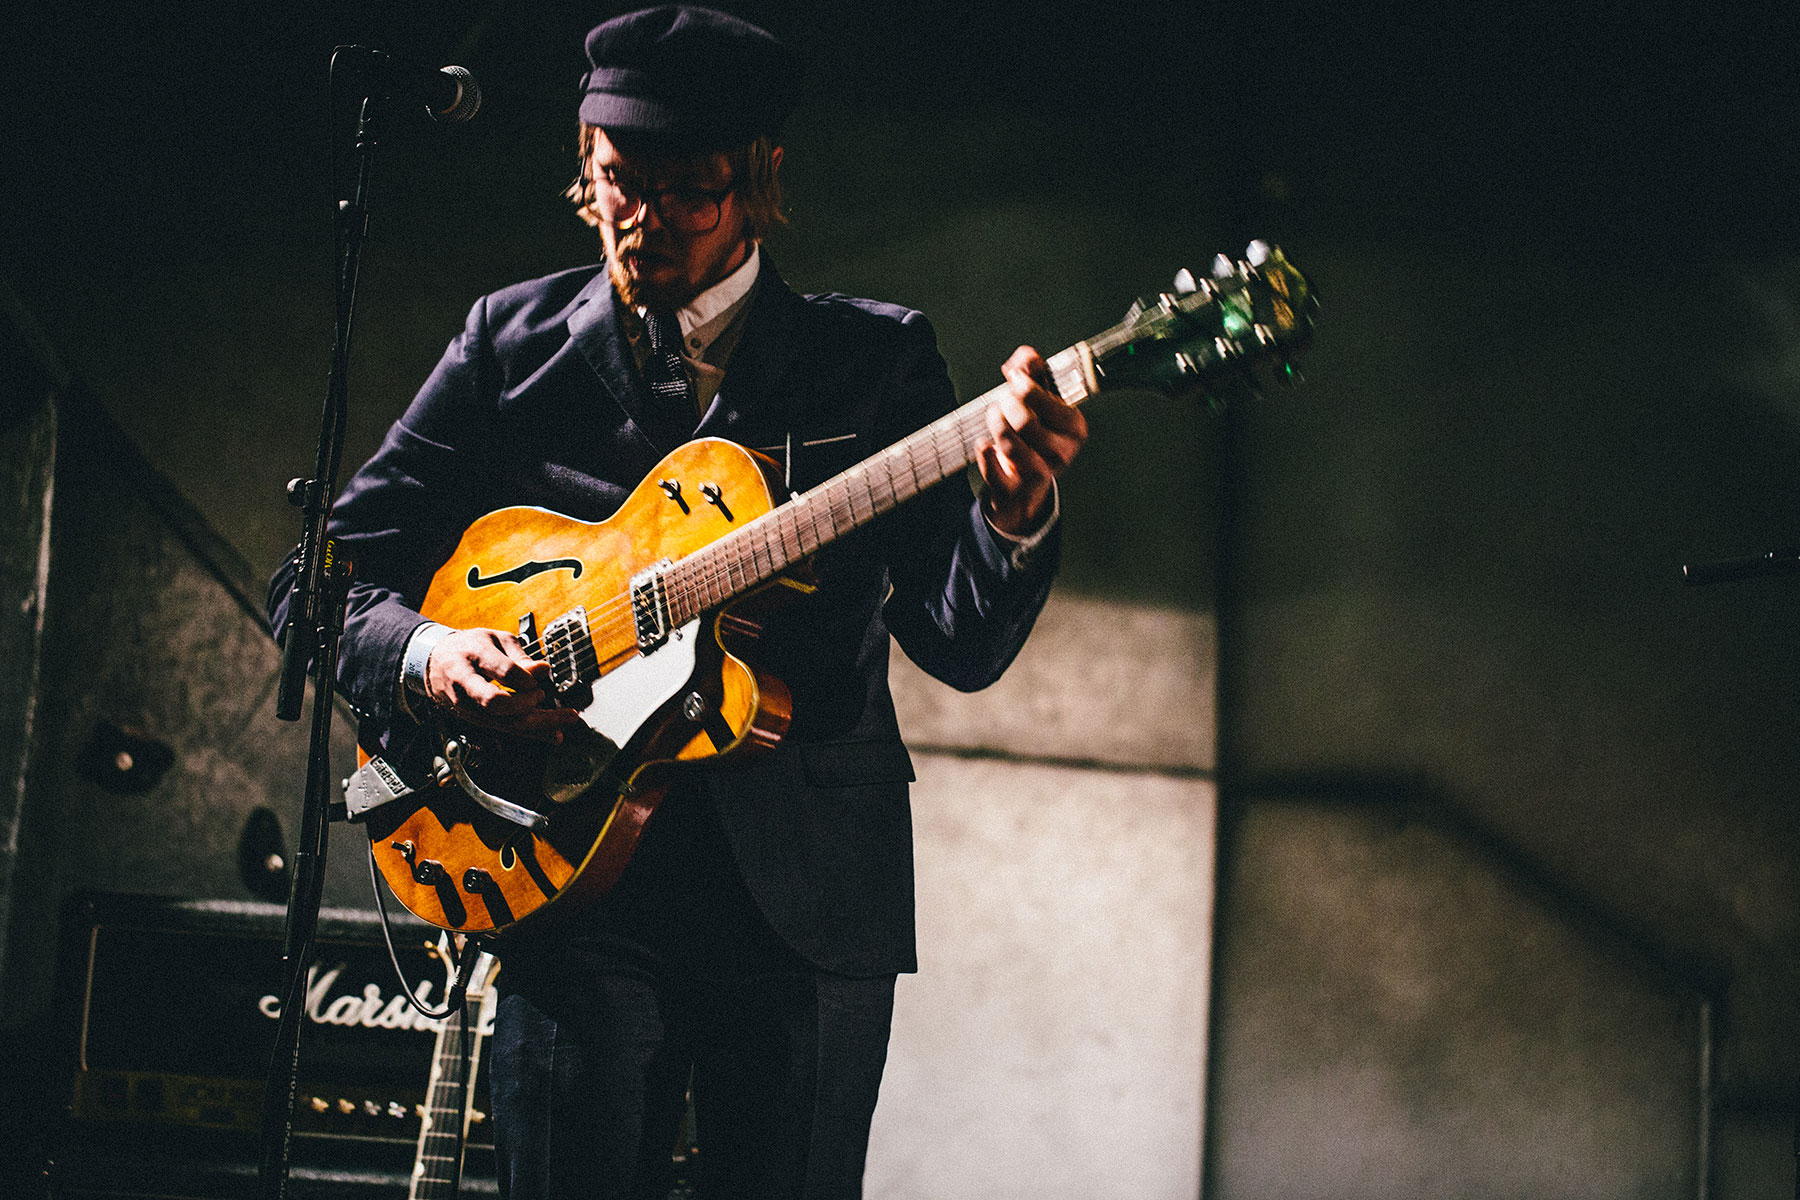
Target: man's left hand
[1033, 436]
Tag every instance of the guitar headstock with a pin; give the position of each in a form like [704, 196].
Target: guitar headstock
[1208, 335]
[449, 951]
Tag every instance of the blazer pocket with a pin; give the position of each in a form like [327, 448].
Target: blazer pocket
[848, 764]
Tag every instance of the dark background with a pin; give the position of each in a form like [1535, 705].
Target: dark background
[168, 186]
[1559, 356]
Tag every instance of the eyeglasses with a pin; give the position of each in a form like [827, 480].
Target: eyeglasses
[688, 210]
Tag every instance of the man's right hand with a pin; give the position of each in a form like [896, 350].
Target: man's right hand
[484, 677]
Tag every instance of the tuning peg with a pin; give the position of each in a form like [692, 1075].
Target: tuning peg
[1223, 268]
[1259, 252]
[1184, 282]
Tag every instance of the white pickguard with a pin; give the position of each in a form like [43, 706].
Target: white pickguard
[630, 693]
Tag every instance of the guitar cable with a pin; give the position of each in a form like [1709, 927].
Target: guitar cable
[465, 960]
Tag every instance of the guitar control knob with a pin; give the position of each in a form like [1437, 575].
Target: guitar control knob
[476, 881]
[716, 498]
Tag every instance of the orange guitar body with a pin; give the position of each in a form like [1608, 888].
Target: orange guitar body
[459, 866]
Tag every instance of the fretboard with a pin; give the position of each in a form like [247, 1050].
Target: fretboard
[847, 501]
[437, 1170]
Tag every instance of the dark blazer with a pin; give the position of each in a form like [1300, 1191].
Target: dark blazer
[538, 401]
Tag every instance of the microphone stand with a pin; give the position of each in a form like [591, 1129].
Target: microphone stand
[1771, 562]
[316, 618]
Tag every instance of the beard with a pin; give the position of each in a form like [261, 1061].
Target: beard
[628, 288]
[638, 292]
[668, 294]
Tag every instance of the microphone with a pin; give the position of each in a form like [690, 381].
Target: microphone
[1775, 562]
[450, 94]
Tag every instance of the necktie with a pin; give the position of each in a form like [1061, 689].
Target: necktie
[663, 370]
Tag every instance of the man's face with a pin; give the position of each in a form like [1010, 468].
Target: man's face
[653, 265]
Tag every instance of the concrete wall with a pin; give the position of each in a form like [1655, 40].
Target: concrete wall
[1053, 1042]
[1457, 567]
[1401, 1013]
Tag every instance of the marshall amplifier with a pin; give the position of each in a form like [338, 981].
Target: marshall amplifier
[168, 1012]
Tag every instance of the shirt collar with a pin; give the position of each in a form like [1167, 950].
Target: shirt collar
[699, 317]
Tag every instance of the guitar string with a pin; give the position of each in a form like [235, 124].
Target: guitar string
[717, 571]
[708, 576]
[698, 579]
[712, 574]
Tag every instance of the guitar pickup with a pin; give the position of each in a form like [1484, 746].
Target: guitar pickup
[650, 607]
[569, 649]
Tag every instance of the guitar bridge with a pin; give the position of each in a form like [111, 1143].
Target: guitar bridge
[650, 607]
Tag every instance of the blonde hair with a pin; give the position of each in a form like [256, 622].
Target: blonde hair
[752, 174]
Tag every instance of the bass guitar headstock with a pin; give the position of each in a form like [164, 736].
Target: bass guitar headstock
[1209, 335]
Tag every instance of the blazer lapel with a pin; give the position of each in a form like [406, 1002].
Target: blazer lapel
[598, 331]
[752, 395]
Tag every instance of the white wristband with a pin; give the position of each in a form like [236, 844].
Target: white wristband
[419, 646]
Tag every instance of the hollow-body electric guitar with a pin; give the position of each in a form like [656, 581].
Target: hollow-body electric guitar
[646, 618]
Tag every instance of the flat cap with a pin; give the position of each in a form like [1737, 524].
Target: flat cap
[689, 79]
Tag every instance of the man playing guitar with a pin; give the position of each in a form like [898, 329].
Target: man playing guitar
[749, 948]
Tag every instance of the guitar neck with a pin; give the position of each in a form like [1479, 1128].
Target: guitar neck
[437, 1168]
[847, 501]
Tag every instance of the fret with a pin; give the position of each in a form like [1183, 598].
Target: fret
[790, 537]
[856, 498]
[746, 554]
[849, 493]
[860, 477]
[886, 467]
[840, 507]
[771, 550]
[948, 444]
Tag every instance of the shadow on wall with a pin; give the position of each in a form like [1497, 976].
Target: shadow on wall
[1406, 1005]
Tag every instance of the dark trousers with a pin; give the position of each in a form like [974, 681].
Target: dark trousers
[675, 980]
